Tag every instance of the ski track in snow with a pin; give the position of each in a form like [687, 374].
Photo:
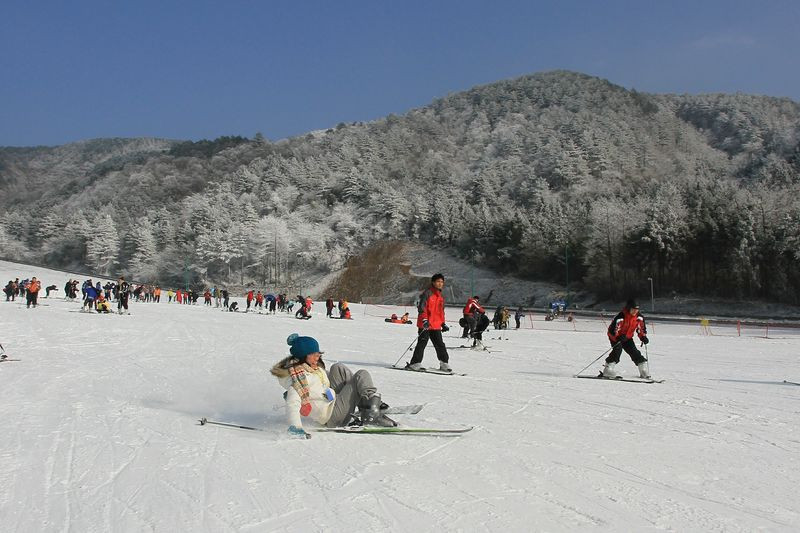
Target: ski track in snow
[101, 430]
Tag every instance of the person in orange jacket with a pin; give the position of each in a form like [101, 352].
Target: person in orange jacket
[393, 319]
[33, 292]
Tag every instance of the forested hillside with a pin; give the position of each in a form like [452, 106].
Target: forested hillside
[699, 192]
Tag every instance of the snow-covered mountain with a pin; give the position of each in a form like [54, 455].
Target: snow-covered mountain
[551, 177]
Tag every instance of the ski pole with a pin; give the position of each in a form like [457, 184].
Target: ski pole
[593, 362]
[647, 358]
[409, 346]
[203, 421]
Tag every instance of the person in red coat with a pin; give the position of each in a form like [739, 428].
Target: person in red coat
[430, 324]
[472, 310]
[250, 298]
[625, 325]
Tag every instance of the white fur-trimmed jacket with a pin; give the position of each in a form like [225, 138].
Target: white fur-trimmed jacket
[315, 386]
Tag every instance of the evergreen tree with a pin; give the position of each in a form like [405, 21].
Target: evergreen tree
[142, 264]
[102, 244]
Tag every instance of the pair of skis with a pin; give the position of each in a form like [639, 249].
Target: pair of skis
[481, 348]
[372, 430]
[435, 371]
[620, 378]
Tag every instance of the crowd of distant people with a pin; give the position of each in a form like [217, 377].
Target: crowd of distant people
[98, 297]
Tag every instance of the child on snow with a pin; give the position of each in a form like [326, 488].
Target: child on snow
[625, 325]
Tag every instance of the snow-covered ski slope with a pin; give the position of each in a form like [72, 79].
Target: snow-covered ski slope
[100, 432]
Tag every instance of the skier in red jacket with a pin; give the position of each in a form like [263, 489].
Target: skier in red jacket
[250, 298]
[472, 311]
[620, 333]
[430, 324]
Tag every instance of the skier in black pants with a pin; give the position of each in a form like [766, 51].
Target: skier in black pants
[225, 298]
[480, 326]
[123, 291]
[620, 333]
[430, 324]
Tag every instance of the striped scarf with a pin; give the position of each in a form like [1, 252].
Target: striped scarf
[297, 373]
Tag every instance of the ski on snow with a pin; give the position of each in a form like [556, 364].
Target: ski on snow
[482, 348]
[428, 371]
[629, 380]
[397, 410]
[473, 348]
[379, 430]
[791, 382]
[350, 429]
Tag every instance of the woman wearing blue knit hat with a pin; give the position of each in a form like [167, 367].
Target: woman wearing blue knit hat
[329, 399]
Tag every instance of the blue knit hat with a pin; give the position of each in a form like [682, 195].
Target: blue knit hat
[302, 346]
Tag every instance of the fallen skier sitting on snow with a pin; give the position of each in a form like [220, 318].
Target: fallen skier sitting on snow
[101, 305]
[395, 320]
[329, 399]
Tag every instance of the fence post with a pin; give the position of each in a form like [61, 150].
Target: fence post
[739, 327]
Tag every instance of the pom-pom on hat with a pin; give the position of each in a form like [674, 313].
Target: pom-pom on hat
[302, 346]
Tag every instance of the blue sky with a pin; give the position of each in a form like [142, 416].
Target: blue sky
[200, 69]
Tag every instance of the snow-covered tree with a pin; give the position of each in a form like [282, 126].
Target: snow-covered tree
[142, 263]
[102, 244]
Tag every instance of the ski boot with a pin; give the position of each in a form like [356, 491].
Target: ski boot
[371, 415]
[644, 371]
[608, 371]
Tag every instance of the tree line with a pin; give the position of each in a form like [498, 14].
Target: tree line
[556, 176]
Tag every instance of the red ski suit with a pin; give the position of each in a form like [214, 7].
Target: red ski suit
[431, 308]
[472, 306]
[626, 325]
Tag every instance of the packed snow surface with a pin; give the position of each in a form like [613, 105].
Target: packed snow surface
[100, 427]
